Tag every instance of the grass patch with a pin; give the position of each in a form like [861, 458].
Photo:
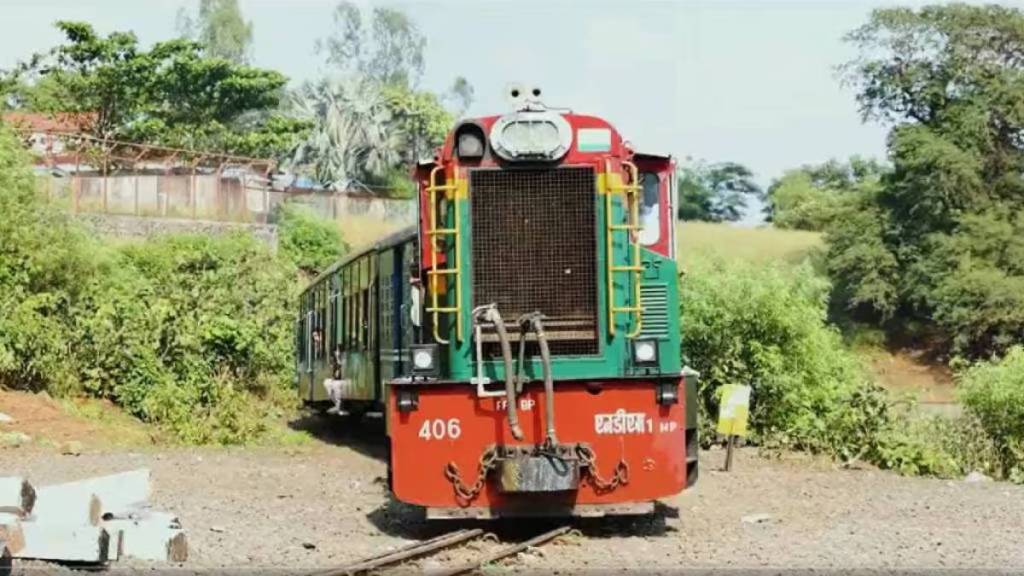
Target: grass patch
[361, 231]
[757, 245]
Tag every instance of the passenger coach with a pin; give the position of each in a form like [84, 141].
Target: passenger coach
[522, 341]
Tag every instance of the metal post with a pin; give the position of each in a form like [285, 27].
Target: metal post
[728, 452]
[105, 159]
[192, 191]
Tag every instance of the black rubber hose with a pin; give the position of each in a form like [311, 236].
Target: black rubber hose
[510, 379]
[549, 382]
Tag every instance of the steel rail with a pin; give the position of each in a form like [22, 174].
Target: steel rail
[504, 552]
[404, 553]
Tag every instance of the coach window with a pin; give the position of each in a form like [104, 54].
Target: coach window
[300, 332]
[650, 208]
[332, 315]
[346, 309]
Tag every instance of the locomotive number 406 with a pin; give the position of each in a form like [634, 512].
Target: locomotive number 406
[440, 429]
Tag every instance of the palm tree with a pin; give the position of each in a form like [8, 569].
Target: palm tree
[352, 140]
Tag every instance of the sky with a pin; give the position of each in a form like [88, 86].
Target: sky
[746, 81]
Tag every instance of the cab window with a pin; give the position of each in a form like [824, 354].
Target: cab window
[650, 209]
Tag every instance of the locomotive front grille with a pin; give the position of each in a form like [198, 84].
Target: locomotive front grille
[534, 248]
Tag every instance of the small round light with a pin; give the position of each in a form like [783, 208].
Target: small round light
[470, 145]
[644, 351]
[422, 359]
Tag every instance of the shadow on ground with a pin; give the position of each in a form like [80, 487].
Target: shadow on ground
[404, 521]
[364, 434]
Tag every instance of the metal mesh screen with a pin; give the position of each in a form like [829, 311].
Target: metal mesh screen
[534, 248]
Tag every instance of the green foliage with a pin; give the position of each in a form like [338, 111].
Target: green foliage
[715, 192]
[420, 119]
[351, 143]
[993, 392]
[311, 243]
[939, 240]
[191, 333]
[42, 260]
[765, 326]
[185, 331]
[173, 94]
[937, 446]
[220, 28]
[864, 271]
[807, 198]
[372, 122]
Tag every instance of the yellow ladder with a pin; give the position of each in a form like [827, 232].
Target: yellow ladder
[454, 274]
[631, 192]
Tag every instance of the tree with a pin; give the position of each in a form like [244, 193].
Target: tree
[220, 28]
[389, 49]
[460, 96]
[419, 120]
[949, 80]
[351, 142]
[806, 198]
[715, 192]
[172, 94]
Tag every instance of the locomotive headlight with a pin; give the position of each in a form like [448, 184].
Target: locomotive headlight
[471, 145]
[645, 352]
[531, 135]
[424, 359]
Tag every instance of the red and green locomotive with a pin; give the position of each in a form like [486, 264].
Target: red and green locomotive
[523, 340]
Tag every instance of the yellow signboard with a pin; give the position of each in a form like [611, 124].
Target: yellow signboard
[734, 410]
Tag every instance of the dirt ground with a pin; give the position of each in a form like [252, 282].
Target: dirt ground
[324, 504]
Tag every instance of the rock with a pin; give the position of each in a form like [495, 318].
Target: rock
[4, 418]
[309, 546]
[14, 439]
[975, 477]
[756, 518]
[71, 448]
[217, 529]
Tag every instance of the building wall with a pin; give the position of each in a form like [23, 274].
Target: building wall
[209, 198]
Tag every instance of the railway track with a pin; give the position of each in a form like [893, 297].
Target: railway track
[433, 545]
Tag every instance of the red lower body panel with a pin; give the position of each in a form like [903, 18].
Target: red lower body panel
[619, 420]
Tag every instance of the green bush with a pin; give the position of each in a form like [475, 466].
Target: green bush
[192, 333]
[765, 326]
[180, 328]
[308, 241]
[43, 259]
[993, 392]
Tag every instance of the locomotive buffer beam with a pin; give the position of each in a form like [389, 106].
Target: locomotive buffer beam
[524, 469]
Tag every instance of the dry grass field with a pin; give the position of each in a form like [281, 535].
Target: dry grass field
[360, 231]
[761, 244]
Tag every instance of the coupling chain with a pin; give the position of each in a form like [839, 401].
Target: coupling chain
[488, 459]
[588, 460]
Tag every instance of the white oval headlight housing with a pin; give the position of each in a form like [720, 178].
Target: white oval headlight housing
[531, 135]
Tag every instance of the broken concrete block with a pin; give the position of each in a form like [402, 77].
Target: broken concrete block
[149, 540]
[63, 542]
[16, 495]
[112, 494]
[143, 514]
[63, 504]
